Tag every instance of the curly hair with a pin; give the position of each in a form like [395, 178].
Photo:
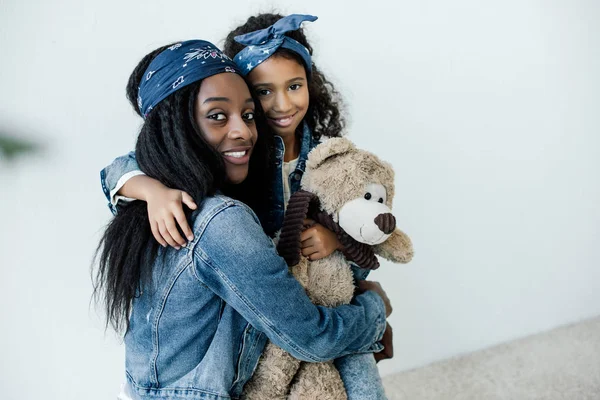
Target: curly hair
[323, 116]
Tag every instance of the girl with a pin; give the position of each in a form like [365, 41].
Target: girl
[301, 106]
[196, 320]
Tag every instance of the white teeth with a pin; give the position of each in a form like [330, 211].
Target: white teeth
[235, 154]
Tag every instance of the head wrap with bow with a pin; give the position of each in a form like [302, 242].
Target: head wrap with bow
[262, 44]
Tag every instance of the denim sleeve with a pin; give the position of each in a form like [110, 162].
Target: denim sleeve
[240, 264]
[114, 176]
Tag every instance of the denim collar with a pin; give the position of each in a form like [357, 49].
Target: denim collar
[306, 145]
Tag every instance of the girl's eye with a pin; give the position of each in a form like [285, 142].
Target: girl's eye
[263, 92]
[217, 116]
[295, 86]
[249, 116]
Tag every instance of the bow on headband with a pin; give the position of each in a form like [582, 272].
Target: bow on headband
[261, 44]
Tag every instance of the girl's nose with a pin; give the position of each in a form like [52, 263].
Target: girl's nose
[282, 103]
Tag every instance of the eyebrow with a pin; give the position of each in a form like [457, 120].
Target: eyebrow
[298, 78]
[225, 99]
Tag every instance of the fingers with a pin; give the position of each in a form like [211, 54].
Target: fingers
[312, 253]
[310, 246]
[376, 287]
[306, 239]
[172, 228]
[183, 224]
[188, 201]
[307, 234]
[310, 237]
[164, 232]
[166, 212]
[156, 234]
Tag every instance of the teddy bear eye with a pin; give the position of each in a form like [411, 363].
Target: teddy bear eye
[380, 200]
[368, 196]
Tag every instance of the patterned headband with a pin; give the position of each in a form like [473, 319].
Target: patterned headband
[261, 44]
[178, 66]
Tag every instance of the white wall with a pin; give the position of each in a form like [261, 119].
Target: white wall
[489, 114]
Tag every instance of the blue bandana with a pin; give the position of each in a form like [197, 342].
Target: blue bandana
[178, 66]
[262, 44]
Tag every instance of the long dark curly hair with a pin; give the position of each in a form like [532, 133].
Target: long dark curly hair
[324, 115]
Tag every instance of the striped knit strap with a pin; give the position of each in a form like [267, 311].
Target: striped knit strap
[288, 246]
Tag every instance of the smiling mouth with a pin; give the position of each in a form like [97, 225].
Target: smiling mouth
[235, 154]
[283, 122]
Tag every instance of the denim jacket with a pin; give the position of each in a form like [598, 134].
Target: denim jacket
[198, 329]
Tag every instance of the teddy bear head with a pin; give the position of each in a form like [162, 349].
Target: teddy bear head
[356, 189]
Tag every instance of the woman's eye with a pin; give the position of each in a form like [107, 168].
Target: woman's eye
[263, 92]
[249, 116]
[295, 86]
[217, 116]
[368, 196]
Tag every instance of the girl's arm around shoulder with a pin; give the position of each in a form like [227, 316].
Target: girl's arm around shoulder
[115, 175]
[233, 256]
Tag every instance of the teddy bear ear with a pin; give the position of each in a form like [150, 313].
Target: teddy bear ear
[329, 148]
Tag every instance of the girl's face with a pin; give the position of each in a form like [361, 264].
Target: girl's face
[225, 114]
[281, 85]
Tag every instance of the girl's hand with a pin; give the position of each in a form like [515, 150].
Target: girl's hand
[317, 241]
[165, 210]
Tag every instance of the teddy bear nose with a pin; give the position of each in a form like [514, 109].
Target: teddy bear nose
[386, 222]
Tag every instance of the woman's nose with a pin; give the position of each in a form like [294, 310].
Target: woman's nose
[240, 130]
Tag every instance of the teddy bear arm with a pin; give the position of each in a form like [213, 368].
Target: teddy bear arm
[397, 248]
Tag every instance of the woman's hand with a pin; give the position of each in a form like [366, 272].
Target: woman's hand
[363, 286]
[165, 211]
[388, 344]
[317, 241]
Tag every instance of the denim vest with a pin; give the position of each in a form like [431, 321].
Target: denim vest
[198, 328]
[274, 219]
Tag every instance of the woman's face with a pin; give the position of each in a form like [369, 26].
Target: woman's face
[281, 85]
[225, 114]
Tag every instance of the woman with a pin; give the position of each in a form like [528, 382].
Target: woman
[197, 319]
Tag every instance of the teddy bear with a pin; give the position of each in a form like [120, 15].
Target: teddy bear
[349, 191]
